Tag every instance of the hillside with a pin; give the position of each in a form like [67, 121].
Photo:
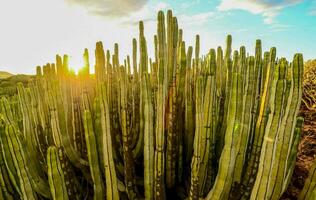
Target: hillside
[8, 84]
[5, 74]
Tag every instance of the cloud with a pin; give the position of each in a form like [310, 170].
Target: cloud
[269, 9]
[188, 4]
[277, 27]
[149, 14]
[110, 8]
[197, 19]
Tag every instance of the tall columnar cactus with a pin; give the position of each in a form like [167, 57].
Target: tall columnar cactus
[246, 89]
[287, 135]
[95, 168]
[148, 139]
[7, 189]
[225, 91]
[19, 161]
[259, 116]
[270, 179]
[180, 125]
[125, 121]
[109, 168]
[189, 110]
[143, 70]
[12, 140]
[56, 178]
[60, 129]
[276, 101]
[99, 62]
[171, 115]
[84, 72]
[8, 161]
[224, 177]
[161, 103]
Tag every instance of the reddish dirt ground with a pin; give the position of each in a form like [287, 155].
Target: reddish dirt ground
[306, 155]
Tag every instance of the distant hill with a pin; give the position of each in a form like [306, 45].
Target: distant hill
[5, 75]
[8, 85]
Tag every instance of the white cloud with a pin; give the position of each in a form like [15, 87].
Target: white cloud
[277, 27]
[188, 4]
[146, 13]
[267, 8]
[114, 8]
[197, 19]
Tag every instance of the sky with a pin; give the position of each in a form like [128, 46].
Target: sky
[32, 32]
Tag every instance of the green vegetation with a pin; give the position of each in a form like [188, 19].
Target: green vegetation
[223, 125]
[8, 85]
[5, 74]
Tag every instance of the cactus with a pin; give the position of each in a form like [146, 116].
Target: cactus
[110, 172]
[180, 125]
[93, 156]
[19, 161]
[148, 140]
[161, 103]
[125, 121]
[7, 189]
[55, 175]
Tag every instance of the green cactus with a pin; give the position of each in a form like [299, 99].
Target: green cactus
[95, 168]
[180, 125]
[19, 161]
[55, 175]
[160, 116]
[109, 168]
[99, 62]
[148, 140]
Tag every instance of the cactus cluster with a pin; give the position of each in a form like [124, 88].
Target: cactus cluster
[223, 125]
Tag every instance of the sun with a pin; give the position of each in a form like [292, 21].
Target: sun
[76, 64]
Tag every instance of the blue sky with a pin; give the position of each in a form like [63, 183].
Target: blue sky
[34, 31]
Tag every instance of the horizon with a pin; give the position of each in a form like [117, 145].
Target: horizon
[38, 30]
